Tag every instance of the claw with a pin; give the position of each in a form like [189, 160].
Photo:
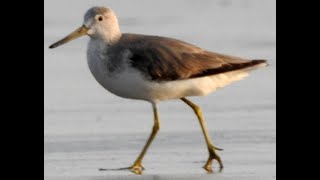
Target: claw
[213, 155]
[137, 168]
[208, 168]
[216, 148]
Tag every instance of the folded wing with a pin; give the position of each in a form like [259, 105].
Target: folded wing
[166, 59]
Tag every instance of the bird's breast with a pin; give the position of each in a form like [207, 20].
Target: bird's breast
[116, 75]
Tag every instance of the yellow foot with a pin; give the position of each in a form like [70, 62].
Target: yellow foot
[137, 168]
[213, 155]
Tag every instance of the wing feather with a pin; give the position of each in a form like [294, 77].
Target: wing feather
[163, 59]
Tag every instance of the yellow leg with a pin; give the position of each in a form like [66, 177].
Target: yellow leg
[212, 154]
[137, 166]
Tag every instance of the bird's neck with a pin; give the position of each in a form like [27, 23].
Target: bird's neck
[113, 36]
[110, 36]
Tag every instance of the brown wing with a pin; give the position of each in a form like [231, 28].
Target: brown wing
[163, 59]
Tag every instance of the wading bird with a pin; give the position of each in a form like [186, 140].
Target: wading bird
[155, 69]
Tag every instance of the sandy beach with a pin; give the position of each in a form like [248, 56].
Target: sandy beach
[87, 128]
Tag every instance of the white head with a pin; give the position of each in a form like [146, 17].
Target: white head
[99, 23]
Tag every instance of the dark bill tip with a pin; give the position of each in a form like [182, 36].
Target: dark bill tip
[74, 35]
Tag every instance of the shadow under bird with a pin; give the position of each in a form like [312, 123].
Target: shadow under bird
[155, 69]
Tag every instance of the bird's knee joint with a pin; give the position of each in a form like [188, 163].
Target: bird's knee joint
[156, 127]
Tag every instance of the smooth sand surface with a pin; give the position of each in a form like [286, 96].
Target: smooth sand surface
[87, 128]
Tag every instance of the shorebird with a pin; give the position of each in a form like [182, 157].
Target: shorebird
[154, 69]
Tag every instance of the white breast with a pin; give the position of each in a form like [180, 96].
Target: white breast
[125, 82]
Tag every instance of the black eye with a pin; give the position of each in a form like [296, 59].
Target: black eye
[100, 18]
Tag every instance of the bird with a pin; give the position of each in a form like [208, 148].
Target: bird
[155, 69]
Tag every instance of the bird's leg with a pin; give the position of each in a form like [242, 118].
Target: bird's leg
[212, 153]
[137, 166]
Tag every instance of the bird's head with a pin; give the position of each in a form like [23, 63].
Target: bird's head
[99, 23]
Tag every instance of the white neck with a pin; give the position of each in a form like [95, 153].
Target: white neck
[113, 34]
[109, 33]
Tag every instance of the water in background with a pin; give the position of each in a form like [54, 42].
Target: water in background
[86, 127]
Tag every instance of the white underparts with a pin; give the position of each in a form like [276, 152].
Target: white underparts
[198, 86]
[130, 83]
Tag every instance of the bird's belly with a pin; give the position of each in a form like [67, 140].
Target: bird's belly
[125, 83]
[159, 91]
[132, 85]
[129, 83]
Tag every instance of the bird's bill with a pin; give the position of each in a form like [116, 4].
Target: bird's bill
[83, 30]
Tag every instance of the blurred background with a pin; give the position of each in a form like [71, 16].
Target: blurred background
[87, 128]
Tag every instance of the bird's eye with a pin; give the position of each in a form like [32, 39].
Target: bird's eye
[100, 18]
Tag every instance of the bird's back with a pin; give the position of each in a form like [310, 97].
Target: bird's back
[167, 59]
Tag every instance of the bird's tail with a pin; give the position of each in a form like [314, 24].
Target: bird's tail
[253, 65]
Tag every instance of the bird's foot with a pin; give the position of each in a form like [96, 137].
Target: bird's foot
[137, 168]
[213, 156]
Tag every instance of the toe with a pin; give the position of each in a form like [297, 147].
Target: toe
[137, 169]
